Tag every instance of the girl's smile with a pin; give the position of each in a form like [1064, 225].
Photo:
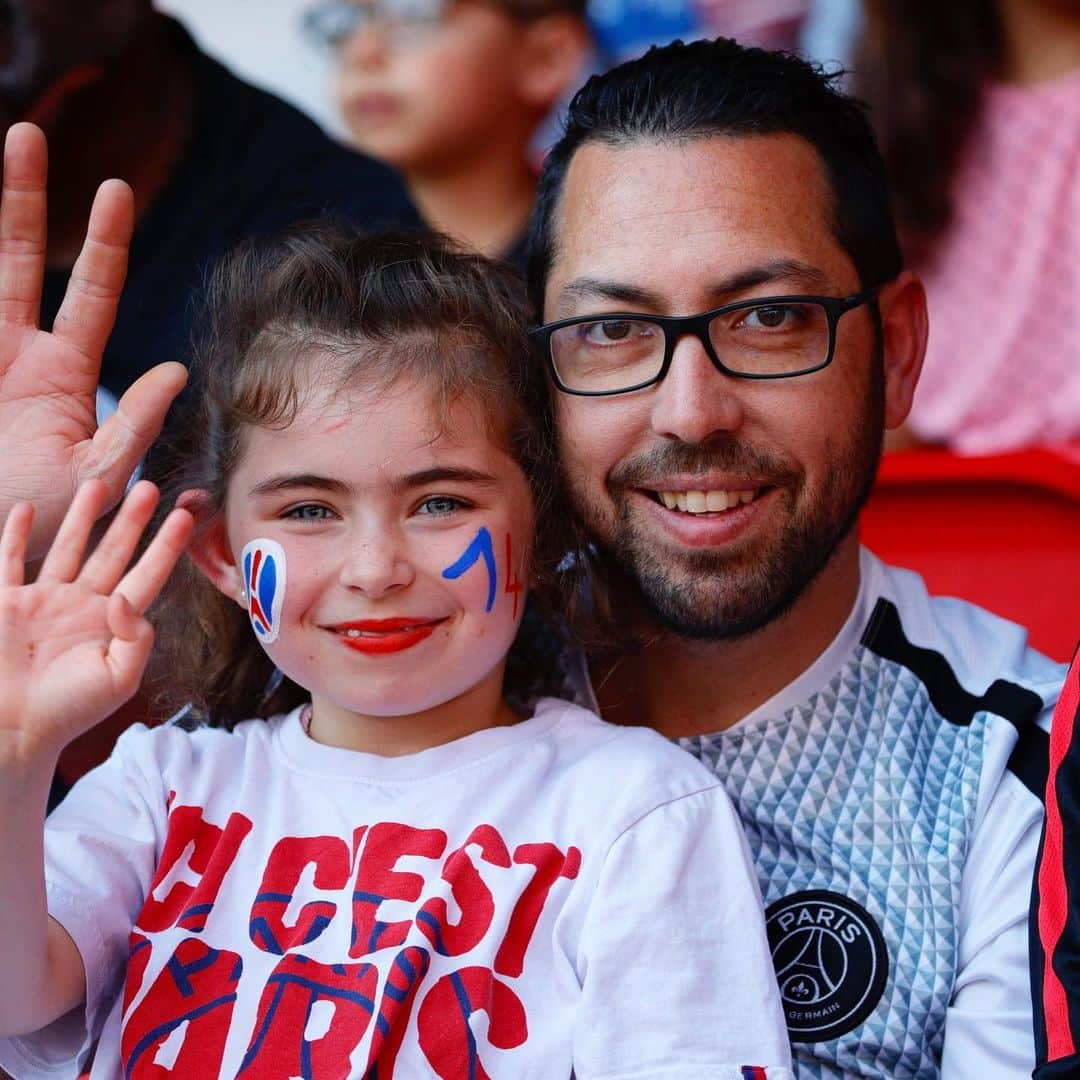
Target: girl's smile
[380, 637]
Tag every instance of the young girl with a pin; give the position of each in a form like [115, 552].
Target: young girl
[360, 861]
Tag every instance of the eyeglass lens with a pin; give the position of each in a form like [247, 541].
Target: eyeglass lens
[766, 339]
[334, 22]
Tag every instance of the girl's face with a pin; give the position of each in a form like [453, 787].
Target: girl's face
[405, 545]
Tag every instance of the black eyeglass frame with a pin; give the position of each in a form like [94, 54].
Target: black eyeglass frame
[678, 326]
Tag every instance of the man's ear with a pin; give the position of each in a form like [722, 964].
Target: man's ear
[553, 59]
[209, 548]
[902, 303]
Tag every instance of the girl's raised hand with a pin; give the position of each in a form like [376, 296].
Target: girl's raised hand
[74, 644]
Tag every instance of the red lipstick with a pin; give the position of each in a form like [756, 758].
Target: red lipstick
[377, 637]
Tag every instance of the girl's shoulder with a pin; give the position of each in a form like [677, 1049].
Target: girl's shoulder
[635, 759]
[187, 739]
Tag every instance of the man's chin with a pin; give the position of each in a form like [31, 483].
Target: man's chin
[698, 613]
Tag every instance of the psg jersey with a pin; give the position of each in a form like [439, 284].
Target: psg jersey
[892, 799]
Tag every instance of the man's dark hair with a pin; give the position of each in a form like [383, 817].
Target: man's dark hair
[681, 92]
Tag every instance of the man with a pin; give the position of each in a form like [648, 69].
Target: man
[730, 330]
[211, 159]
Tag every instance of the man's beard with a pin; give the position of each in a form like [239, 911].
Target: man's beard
[713, 596]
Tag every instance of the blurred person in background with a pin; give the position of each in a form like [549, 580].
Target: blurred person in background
[451, 92]
[625, 28]
[125, 92]
[977, 105]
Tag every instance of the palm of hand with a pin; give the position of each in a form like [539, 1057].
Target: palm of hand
[74, 644]
[54, 662]
[47, 415]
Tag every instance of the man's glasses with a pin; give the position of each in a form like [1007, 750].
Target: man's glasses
[773, 337]
[331, 23]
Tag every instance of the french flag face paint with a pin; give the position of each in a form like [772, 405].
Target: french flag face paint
[263, 565]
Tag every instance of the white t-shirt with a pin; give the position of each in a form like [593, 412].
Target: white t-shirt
[556, 896]
[892, 799]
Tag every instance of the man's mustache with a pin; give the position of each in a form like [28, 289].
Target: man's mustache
[696, 459]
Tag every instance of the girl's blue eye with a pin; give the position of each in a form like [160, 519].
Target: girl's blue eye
[308, 512]
[439, 505]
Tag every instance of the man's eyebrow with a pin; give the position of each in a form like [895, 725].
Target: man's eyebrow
[590, 288]
[276, 485]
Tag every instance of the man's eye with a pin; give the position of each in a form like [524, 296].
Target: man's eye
[439, 505]
[613, 331]
[769, 317]
[309, 512]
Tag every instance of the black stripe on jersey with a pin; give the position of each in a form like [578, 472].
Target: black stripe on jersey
[885, 636]
[1037, 963]
[1062, 1069]
[1030, 760]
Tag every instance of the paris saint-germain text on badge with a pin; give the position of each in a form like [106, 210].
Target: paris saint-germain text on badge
[831, 963]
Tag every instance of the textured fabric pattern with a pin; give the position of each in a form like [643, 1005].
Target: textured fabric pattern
[868, 792]
[1003, 285]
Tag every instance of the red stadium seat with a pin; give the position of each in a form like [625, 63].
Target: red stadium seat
[1002, 531]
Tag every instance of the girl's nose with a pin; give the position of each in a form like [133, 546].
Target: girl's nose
[376, 566]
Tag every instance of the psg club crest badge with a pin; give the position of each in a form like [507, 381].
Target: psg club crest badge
[831, 963]
[263, 563]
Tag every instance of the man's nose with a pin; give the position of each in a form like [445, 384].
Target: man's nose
[376, 563]
[696, 401]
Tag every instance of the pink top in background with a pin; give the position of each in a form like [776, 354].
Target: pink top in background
[1003, 365]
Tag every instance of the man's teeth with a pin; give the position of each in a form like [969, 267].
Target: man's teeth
[704, 502]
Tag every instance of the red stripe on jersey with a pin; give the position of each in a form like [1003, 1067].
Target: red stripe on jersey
[1053, 891]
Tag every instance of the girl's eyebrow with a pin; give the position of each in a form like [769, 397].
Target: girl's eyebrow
[274, 485]
[460, 474]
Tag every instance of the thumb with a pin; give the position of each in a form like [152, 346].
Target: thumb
[122, 441]
[129, 649]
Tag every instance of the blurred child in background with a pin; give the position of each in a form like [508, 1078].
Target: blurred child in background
[450, 92]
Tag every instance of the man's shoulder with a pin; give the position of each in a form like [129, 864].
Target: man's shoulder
[969, 658]
[972, 666]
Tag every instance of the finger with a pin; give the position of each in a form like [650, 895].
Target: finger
[87, 314]
[22, 224]
[122, 441]
[147, 577]
[107, 564]
[13, 541]
[66, 554]
[129, 649]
